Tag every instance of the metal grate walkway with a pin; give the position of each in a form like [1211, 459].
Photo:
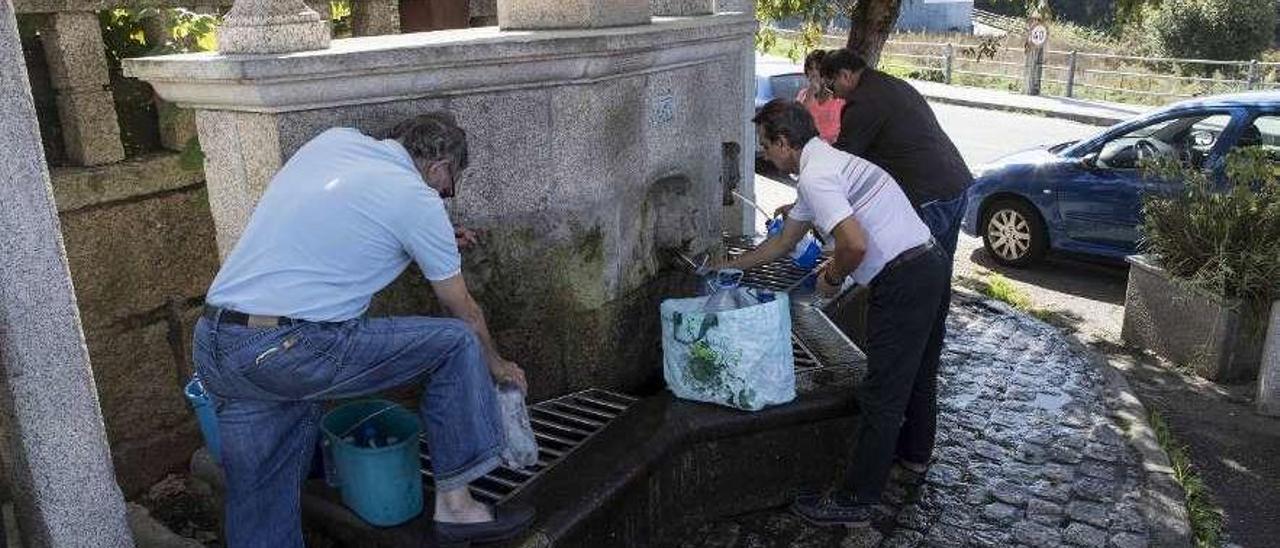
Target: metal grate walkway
[561, 425]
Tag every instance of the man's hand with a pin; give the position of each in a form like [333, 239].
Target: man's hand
[506, 371]
[465, 237]
[783, 211]
[824, 287]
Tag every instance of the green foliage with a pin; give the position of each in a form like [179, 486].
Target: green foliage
[192, 156]
[140, 32]
[813, 16]
[1222, 238]
[340, 17]
[1210, 29]
[181, 31]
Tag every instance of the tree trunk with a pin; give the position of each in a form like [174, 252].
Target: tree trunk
[871, 23]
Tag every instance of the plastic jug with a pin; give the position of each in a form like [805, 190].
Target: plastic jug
[807, 251]
[727, 293]
[208, 420]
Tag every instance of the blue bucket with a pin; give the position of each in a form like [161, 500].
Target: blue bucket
[205, 415]
[372, 447]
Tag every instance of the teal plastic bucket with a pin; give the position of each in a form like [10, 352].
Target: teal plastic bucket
[372, 448]
[205, 416]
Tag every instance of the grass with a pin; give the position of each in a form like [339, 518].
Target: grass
[997, 287]
[1205, 516]
[1000, 288]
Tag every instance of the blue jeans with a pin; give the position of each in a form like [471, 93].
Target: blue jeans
[943, 220]
[268, 384]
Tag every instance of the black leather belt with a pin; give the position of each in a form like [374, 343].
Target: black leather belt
[909, 255]
[223, 315]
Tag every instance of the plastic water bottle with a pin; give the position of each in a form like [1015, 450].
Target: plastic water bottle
[807, 251]
[726, 294]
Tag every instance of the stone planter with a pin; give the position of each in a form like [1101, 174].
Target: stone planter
[1190, 326]
[1269, 377]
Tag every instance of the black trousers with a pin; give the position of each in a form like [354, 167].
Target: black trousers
[898, 401]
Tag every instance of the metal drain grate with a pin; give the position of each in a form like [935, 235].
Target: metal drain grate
[805, 360]
[779, 275]
[561, 426]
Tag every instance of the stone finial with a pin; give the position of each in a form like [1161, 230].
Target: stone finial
[272, 26]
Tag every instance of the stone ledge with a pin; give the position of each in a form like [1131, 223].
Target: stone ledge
[80, 187]
[444, 62]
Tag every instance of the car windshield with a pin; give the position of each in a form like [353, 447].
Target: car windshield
[1188, 137]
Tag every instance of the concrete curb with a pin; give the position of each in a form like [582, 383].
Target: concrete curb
[1096, 120]
[1163, 503]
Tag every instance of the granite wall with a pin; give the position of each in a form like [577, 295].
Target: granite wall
[140, 244]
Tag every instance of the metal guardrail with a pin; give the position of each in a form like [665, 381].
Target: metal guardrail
[1077, 70]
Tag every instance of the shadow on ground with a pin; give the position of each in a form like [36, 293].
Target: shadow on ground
[1233, 448]
[1066, 274]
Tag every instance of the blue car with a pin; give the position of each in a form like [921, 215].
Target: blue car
[1085, 197]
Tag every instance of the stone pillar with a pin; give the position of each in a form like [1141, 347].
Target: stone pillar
[573, 14]
[242, 154]
[1269, 377]
[484, 13]
[272, 26]
[55, 445]
[78, 70]
[682, 7]
[375, 17]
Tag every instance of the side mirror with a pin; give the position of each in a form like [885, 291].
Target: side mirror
[1089, 161]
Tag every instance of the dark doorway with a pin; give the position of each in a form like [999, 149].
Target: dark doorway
[425, 15]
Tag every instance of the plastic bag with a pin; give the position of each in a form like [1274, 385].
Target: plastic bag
[520, 448]
[739, 358]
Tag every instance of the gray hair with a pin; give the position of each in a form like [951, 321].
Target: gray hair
[433, 136]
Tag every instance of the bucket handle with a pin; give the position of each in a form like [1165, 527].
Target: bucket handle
[361, 422]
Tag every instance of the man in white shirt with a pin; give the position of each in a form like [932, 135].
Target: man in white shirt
[880, 242]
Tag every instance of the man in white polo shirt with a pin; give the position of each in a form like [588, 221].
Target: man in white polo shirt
[880, 242]
[284, 329]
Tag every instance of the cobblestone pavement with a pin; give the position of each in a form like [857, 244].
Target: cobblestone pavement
[1027, 455]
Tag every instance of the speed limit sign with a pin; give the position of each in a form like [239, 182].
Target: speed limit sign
[1038, 36]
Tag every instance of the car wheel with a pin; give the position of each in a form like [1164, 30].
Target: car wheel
[1013, 233]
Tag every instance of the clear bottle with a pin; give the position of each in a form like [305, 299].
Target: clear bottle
[725, 292]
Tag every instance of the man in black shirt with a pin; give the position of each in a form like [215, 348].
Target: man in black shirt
[888, 122]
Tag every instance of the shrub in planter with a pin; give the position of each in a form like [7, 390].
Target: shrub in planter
[1219, 242]
[1223, 237]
